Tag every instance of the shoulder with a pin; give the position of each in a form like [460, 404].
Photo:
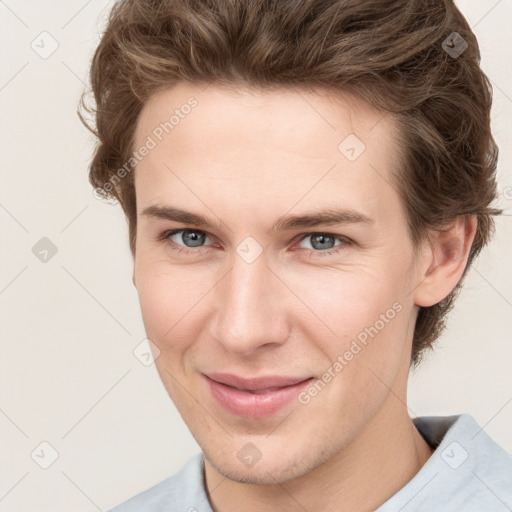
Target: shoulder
[468, 471]
[183, 491]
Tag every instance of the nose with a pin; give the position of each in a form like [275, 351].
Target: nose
[251, 306]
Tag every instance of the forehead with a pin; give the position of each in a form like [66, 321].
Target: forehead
[291, 145]
[290, 115]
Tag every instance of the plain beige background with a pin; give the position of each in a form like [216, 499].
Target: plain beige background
[68, 375]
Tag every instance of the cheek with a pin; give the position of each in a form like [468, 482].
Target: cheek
[360, 328]
[173, 303]
[170, 303]
[361, 365]
[343, 303]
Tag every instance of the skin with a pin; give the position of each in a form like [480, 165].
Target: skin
[244, 159]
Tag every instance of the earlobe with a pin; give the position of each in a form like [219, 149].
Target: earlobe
[444, 261]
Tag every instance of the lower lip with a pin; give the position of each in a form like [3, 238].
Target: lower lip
[254, 405]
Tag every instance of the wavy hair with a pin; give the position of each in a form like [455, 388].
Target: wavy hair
[391, 53]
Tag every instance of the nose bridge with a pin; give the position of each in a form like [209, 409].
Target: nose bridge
[249, 312]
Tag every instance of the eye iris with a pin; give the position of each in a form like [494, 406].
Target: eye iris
[322, 241]
[196, 238]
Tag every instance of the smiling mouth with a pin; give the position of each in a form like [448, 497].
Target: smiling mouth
[255, 384]
[254, 398]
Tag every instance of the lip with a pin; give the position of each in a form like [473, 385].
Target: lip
[257, 397]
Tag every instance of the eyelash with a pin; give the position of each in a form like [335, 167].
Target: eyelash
[165, 236]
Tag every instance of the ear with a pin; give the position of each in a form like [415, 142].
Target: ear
[444, 260]
[133, 277]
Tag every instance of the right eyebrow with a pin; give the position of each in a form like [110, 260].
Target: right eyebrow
[177, 215]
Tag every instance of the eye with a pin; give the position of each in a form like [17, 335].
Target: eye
[324, 243]
[182, 239]
[189, 240]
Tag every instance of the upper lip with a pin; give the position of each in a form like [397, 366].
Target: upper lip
[255, 383]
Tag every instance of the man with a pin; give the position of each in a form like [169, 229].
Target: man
[306, 184]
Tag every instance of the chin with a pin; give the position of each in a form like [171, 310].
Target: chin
[267, 471]
[264, 474]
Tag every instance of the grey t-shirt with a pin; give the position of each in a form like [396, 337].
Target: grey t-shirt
[468, 472]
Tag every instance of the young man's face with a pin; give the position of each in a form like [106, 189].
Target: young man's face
[334, 314]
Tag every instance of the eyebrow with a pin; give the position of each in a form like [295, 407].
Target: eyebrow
[175, 214]
[326, 217]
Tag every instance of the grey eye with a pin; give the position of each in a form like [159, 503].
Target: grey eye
[320, 241]
[189, 238]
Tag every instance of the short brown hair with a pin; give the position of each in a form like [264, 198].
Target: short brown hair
[388, 52]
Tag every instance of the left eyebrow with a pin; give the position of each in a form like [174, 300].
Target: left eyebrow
[328, 217]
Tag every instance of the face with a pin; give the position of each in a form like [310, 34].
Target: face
[274, 270]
